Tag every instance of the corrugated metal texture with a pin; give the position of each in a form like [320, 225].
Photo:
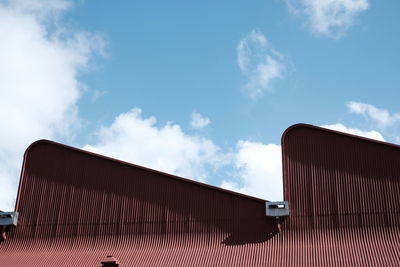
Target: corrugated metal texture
[287, 249]
[344, 194]
[76, 208]
[74, 200]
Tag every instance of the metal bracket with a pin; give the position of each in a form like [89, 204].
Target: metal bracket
[8, 218]
[277, 209]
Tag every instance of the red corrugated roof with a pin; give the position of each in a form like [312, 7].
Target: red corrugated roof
[77, 207]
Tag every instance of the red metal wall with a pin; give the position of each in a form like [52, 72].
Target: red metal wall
[76, 208]
[74, 199]
[343, 188]
[327, 174]
[79, 194]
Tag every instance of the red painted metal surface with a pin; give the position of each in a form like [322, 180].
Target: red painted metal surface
[110, 261]
[344, 197]
[77, 207]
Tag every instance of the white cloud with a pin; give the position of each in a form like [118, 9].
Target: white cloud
[41, 9]
[342, 128]
[135, 139]
[39, 88]
[381, 117]
[331, 18]
[397, 140]
[259, 168]
[199, 121]
[260, 63]
[167, 148]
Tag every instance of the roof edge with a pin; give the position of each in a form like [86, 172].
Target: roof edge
[294, 127]
[92, 154]
[322, 129]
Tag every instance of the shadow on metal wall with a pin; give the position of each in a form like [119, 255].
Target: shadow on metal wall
[67, 192]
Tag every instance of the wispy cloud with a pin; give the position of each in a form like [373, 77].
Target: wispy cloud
[40, 61]
[381, 117]
[199, 121]
[260, 63]
[331, 18]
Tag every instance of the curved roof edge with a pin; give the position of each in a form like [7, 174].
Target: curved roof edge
[322, 129]
[171, 176]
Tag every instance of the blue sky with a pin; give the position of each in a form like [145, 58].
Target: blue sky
[203, 90]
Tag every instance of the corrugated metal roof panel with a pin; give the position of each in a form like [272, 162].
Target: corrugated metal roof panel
[76, 208]
[329, 175]
[343, 192]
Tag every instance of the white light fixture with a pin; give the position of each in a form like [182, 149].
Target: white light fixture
[277, 209]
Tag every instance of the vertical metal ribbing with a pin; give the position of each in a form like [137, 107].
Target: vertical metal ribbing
[343, 192]
[91, 207]
[88, 203]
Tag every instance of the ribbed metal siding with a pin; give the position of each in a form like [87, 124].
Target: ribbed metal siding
[76, 208]
[344, 196]
[73, 200]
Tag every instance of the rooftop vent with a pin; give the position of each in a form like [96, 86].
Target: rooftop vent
[110, 261]
[8, 218]
[277, 209]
